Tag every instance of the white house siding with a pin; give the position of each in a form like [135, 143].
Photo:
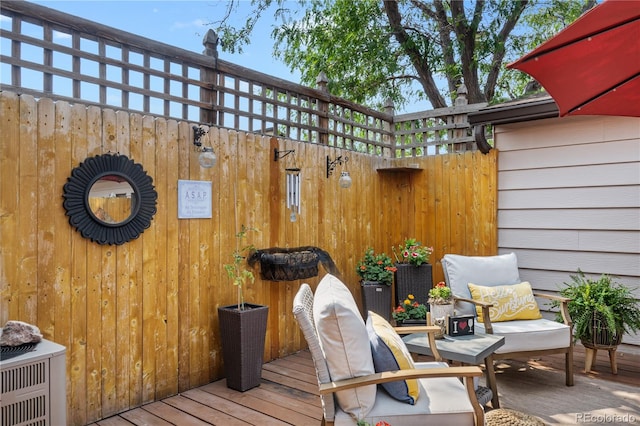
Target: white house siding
[569, 199]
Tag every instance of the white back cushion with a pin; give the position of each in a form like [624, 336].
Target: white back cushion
[345, 343]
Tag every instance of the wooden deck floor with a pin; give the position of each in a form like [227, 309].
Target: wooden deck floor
[288, 395]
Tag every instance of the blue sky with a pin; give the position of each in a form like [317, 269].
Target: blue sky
[181, 24]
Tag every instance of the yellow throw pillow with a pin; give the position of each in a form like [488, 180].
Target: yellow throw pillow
[510, 302]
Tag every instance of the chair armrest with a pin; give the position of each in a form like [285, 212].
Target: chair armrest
[431, 331]
[563, 303]
[392, 376]
[488, 328]
[475, 302]
[466, 373]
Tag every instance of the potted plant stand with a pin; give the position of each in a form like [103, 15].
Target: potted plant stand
[601, 339]
[243, 334]
[602, 310]
[376, 297]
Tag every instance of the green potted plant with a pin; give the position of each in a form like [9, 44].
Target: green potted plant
[602, 310]
[441, 305]
[243, 326]
[413, 270]
[376, 276]
[410, 312]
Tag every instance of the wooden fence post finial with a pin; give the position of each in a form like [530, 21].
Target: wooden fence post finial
[210, 43]
[461, 93]
[322, 81]
[323, 109]
[389, 106]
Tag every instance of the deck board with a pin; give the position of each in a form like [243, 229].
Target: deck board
[288, 394]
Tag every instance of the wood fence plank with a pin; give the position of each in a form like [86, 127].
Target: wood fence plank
[171, 247]
[46, 223]
[77, 351]
[135, 283]
[184, 268]
[109, 290]
[149, 265]
[27, 221]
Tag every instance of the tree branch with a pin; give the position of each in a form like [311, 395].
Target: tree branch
[416, 57]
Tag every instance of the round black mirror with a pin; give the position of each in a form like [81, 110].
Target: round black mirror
[110, 199]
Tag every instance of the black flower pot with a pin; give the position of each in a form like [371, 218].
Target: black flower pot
[411, 279]
[376, 297]
[243, 335]
[411, 322]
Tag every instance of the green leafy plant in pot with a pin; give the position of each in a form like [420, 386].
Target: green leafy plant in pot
[602, 310]
[376, 274]
[243, 326]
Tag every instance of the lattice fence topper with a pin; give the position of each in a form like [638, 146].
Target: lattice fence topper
[289, 264]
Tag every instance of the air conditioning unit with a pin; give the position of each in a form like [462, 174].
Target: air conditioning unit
[34, 386]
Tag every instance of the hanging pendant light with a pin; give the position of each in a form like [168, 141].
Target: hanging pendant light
[345, 180]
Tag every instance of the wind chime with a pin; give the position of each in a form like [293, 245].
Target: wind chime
[293, 184]
[293, 192]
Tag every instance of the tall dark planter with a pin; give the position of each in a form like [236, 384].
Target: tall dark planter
[243, 334]
[376, 297]
[411, 279]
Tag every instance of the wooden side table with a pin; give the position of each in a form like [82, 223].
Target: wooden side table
[473, 349]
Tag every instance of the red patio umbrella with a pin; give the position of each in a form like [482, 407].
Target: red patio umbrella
[592, 67]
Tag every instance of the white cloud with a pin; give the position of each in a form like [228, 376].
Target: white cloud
[180, 25]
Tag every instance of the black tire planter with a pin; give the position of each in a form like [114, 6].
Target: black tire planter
[290, 264]
[243, 335]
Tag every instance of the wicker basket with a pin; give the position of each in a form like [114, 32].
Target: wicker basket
[415, 280]
[290, 264]
[601, 336]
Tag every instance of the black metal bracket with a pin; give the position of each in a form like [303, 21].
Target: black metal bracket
[198, 133]
[331, 165]
[281, 154]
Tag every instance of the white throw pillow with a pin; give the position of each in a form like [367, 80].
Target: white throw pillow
[345, 343]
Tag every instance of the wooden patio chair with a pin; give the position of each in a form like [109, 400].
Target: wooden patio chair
[487, 285]
[341, 347]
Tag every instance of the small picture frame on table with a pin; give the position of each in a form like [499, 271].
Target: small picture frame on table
[462, 325]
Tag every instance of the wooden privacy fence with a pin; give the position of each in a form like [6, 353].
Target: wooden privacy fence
[139, 320]
[68, 58]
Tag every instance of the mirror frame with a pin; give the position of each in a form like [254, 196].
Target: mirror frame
[76, 199]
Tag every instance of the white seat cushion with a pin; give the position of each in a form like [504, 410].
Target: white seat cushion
[444, 399]
[529, 335]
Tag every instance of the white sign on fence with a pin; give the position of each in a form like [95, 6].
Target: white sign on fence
[194, 199]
